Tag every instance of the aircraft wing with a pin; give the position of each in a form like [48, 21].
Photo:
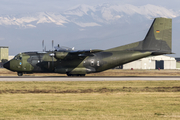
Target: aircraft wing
[85, 52]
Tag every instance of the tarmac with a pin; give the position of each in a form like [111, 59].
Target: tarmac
[55, 78]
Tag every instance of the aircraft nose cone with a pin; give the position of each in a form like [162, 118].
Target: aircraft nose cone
[7, 65]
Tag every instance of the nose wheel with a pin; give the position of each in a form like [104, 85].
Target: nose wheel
[20, 74]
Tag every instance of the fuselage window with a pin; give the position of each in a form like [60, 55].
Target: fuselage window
[98, 63]
[92, 62]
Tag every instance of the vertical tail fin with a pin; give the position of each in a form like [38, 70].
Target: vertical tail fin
[159, 36]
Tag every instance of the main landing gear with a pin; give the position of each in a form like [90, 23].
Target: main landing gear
[19, 73]
[75, 75]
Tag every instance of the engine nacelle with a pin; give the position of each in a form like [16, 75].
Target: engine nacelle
[60, 55]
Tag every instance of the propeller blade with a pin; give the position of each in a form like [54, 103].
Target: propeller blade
[53, 62]
[43, 45]
[52, 54]
[52, 44]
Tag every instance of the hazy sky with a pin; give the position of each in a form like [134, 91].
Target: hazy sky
[23, 6]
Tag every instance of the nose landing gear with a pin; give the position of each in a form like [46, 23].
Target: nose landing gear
[19, 73]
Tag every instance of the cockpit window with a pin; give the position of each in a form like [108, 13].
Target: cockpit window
[18, 57]
[15, 58]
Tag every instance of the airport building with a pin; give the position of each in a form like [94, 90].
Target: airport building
[153, 62]
[177, 63]
[4, 53]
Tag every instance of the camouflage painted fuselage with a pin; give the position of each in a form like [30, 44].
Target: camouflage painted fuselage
[32, 62]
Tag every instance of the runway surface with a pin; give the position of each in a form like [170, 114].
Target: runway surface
[55, 78]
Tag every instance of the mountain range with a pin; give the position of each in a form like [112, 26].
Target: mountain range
[83, 27]
[87, 16]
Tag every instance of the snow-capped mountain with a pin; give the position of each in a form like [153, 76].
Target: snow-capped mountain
[31, 20]
[88, 16]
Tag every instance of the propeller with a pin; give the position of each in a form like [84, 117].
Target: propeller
[43, 46]
[52, 45]
[52, 54]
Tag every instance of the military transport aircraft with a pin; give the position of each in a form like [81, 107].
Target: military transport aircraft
[72, 62]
